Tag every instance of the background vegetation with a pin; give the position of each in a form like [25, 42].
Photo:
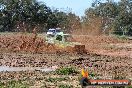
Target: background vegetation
[25, 15]
[113, 17]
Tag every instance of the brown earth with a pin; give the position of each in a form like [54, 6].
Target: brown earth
[106, 45]
[103, 67]
[107, 57]
[28, 43]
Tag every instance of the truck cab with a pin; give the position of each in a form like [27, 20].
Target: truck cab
[53, 31]
[56, 35]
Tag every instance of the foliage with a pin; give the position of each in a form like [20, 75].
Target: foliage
[66, 71]
[115, 17]
[13, 84]
[56, 79]
[65, 86]
[25, 15]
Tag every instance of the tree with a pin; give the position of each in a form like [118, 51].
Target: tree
[123, 25]
[74, 23]
[115, 17]
[26, 13]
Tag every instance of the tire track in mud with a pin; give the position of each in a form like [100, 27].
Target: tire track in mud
[102, 66]
[105, 66]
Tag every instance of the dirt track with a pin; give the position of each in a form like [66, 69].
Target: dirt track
[28, 43]
[24, 52]
[103, 67]
[106, 45]
[92, 61]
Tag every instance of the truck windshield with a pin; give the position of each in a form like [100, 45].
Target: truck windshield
[51, 31]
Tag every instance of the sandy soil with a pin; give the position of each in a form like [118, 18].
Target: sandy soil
[107, 58]
[106, 45]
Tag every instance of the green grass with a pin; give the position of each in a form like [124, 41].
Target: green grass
[66, 71]
[57, 79]
[13, 84]
[65, 86]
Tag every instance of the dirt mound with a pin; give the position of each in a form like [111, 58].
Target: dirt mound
[106, 45]
[100, 42]
[98, 39]
[28, 43]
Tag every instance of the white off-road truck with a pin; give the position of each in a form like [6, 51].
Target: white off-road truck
[55, 34]
[57, 37]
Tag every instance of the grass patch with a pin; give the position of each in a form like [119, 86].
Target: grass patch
[57, 79]
[66, 71]
[1, 85]
[13, 84]
[65, 86]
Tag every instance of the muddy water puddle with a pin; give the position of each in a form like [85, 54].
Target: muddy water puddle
[11, 69]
